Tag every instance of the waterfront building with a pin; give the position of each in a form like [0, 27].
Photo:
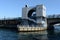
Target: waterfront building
[37, 14]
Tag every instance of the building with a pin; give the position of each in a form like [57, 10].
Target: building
[37, 14]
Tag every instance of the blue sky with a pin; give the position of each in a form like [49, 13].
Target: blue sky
[13, 8]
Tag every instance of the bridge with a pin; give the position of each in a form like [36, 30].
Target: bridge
[35, 16]
[51, 21]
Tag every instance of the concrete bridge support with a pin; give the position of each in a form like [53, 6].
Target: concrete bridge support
[40, 14]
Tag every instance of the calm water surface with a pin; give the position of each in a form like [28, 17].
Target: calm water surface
[7, 34]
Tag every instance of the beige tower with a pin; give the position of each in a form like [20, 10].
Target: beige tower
[41, 15]
[25, 11]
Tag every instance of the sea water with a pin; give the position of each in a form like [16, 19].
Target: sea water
[8, 34]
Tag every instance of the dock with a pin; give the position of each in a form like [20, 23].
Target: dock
[31, 29]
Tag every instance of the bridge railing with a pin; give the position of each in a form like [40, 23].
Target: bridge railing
[53, 16]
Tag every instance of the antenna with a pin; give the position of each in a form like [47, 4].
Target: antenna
[27, 2]
[25, 5]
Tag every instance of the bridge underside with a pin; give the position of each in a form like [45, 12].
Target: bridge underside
[26, 22]
[51, 22]
[17, 21]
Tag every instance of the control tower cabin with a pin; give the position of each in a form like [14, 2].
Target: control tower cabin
[40, 14]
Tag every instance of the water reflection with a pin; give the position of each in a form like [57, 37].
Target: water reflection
[42, 35]
[52, 35]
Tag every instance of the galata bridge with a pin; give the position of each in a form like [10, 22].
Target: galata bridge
[51, 21]
[32, 17]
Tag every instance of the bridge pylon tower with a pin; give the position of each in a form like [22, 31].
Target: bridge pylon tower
[40, 11]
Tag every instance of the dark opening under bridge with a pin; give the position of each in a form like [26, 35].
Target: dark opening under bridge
[52, 21]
